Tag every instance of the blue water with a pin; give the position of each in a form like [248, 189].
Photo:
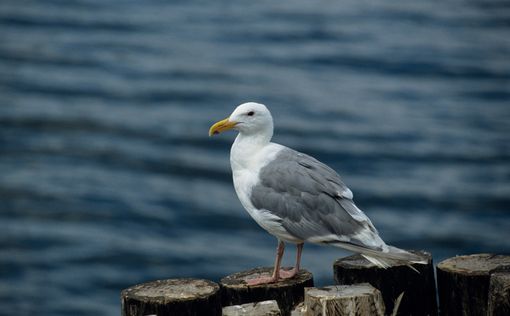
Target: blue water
[108, 177]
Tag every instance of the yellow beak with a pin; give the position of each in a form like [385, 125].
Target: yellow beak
[221, 126]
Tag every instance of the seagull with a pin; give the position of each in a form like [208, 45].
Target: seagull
[295, 197]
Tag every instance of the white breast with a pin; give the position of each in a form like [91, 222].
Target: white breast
[245, 172]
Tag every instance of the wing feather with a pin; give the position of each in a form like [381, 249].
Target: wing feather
[312, 202]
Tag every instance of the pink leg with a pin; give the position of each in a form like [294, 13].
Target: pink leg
[284, 274]
[276, 272]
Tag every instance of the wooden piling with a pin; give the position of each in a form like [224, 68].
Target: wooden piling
[344, 300]
[464, 281]
[186, 297]
[264, 308]
[419, 287]
[499, 294]
[288, 293]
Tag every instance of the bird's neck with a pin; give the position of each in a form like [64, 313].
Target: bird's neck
[246, 148]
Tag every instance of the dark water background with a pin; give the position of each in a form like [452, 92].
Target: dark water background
[108, 178]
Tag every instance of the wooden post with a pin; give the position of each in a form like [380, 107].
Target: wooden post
[499, 295]
[172, 297]
[344, 300]
[266, 308]
[463, 283]
[299, 310]
[288, 293]
[419, 288]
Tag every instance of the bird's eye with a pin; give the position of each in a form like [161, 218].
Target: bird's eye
[250, 113]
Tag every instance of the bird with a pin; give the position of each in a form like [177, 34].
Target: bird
[297, 198]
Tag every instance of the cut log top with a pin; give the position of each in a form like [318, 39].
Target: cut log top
[479, 264]
[464, 284]
[356, 300]
[172, 290]
[186, 297]
[354, 290]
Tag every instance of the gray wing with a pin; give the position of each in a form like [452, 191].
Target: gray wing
[312, 202]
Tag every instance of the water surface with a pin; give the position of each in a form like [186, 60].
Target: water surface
[108, 178]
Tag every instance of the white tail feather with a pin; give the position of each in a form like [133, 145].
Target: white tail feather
[386, 258]
[377, 262]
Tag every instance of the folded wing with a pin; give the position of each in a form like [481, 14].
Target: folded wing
[312, 202]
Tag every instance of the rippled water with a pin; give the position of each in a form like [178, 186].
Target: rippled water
[108, 178]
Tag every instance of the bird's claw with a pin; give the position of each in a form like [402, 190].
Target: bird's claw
[282, 275]
[261, 280]
[287, 274]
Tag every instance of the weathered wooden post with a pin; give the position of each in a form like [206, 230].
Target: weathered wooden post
[344, 300]
[499, 294]
[464, 281]
[418, 287]
[288, 293]
[184, 297]
[264, 308]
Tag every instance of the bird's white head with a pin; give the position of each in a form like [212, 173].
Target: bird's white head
[249, 119]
